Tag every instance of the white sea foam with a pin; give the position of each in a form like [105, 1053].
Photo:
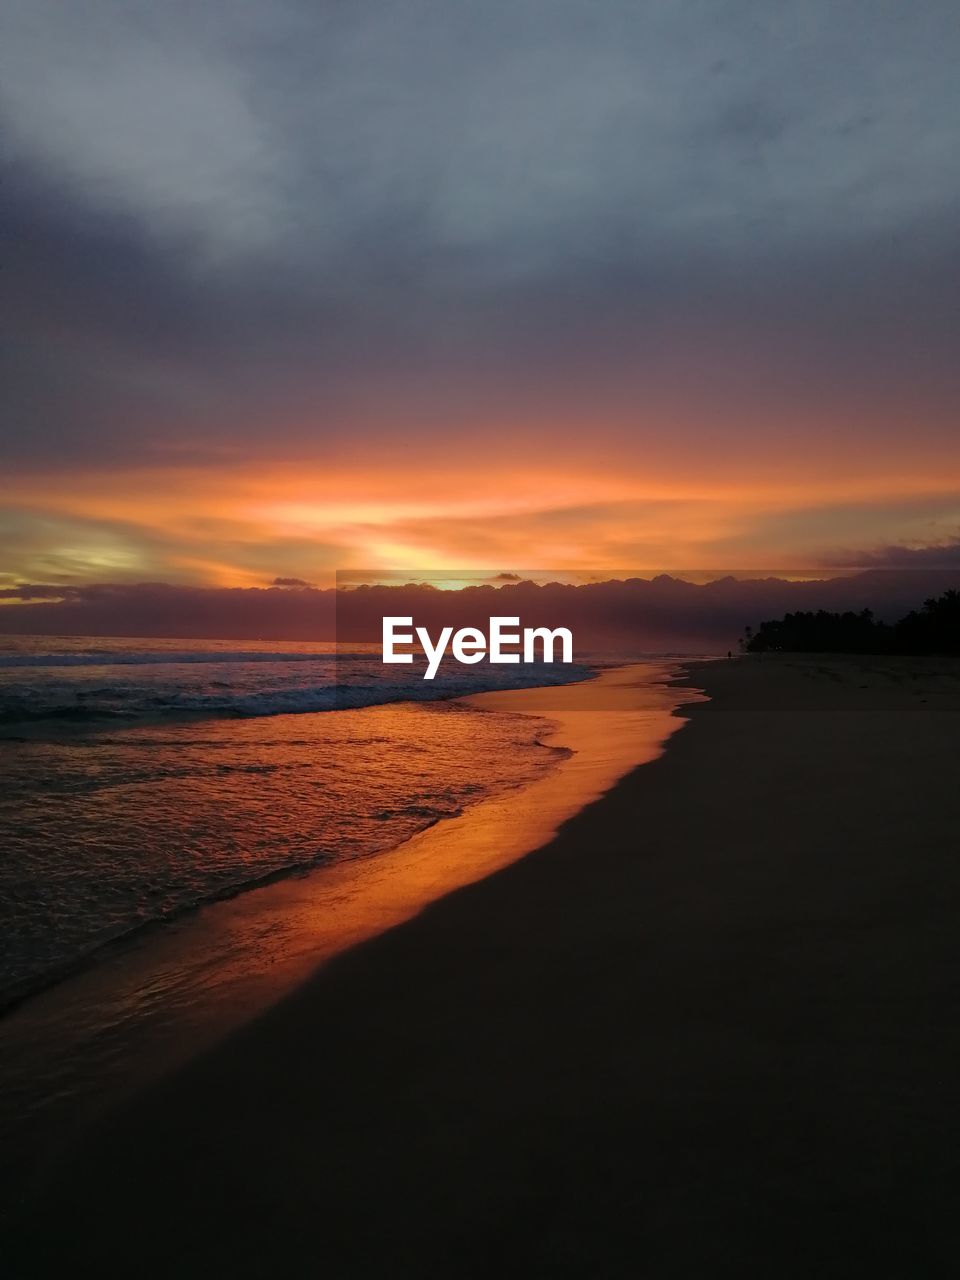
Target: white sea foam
[113, 684]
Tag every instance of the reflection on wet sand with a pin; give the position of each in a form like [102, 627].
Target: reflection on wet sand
[147, 1007]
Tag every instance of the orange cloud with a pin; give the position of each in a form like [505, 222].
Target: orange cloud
[242, 525]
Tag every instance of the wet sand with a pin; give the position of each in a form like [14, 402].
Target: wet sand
[70, 1054]
[709, 1029]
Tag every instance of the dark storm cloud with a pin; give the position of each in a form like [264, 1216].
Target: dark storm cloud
[220, 218]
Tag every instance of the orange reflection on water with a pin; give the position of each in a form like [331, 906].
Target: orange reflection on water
[609, 725]
[145, 1009]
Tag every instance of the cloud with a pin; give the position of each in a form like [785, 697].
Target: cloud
[246, 526]
[676, 242]
[149, 115]
[632, 614]
[506, 130]
[162, 609]
[38, 591]
[943, 554]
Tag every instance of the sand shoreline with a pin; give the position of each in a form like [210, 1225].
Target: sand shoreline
[147, 1004]
[707, 1029]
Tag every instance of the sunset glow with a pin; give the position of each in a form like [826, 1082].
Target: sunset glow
[659, 323]
[263, 523]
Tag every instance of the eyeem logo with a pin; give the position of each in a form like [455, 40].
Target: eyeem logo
[470, 645]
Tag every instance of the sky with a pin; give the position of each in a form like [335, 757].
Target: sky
[295, 286]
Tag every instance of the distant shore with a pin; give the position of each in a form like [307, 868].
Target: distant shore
[708, 1029]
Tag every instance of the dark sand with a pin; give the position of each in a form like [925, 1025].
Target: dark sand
[710, 1029]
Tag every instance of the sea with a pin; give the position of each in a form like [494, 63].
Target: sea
[144, 778]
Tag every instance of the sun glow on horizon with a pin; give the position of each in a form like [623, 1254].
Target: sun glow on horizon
[249, 525]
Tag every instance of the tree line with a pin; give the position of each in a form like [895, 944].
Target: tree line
[932, 629]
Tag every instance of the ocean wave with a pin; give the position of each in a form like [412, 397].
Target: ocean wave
[132, 832]
[113, 658]
[13, 713]
[173, 706]
[33, 704]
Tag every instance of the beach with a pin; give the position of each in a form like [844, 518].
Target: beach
[706, 1028]
[138, 1007]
